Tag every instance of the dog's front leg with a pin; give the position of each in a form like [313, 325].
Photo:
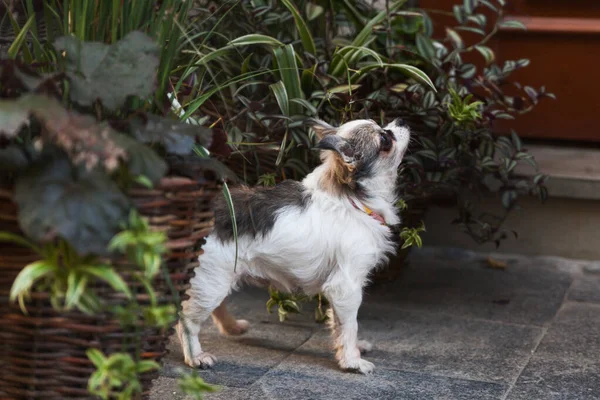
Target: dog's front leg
[345, 299]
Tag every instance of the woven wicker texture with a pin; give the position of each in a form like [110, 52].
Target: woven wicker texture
[42, 355]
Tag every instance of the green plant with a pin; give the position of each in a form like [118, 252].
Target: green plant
[456, 154]
[77, 136]
[101, 21]
[116, 376]
[281, 62]
[195, 387]
[411, 236]
[286, 303]
[65, 274]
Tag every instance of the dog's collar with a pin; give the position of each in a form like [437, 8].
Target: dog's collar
[369, 212]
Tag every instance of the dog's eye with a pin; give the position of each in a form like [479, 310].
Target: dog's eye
[386, 141]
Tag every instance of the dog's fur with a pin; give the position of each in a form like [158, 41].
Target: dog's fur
[311, 236]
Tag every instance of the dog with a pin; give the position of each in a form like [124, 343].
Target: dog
[322, 235]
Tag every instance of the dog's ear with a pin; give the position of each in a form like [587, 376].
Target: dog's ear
[339, 145]
[321, 128]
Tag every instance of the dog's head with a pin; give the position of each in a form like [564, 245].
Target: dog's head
[360, 151]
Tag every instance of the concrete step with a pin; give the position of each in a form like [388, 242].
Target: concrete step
[574, 172]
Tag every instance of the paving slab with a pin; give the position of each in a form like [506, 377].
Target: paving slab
[566, 365]
[586, 288]
[311, 374]
[440, 344]
[450, 328]
[528, 291]
[168, 389]
[244, 359]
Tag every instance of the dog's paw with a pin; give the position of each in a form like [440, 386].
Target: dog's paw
[202, 360]
[358, 365]
[240, 327]
[364, 346]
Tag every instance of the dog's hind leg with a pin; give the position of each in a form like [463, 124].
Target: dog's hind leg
[208, 290]
[226, 323]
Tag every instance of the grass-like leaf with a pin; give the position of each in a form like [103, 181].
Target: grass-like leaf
[281, 96]
[305, 36]
[230, 207]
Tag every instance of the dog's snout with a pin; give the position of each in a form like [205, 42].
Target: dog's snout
[399, 122]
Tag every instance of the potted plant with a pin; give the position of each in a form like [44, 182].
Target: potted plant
[103, 211]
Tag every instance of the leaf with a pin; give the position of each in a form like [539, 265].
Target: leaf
[496, 264]
[231, 208]
[146, 365]
[28, 276]
[141, 159]
[110, 276]
[96, 357]
[255, 38]
[487, 53]
[20, 38]
[512, 24]
[406, 69]
[364, 35]
[20, 240]
[313, 11]
[425, 46]
[110, 73]
[281, 96]
[13, 117]
[516, 140]
[305, 36]
[343, 89]
[455, 38]
[76, 285]
[288, 70]
[57, 200]
[175, 136]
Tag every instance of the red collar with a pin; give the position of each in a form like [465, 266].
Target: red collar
[369, 212]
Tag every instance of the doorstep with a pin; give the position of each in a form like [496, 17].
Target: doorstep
[574, 172]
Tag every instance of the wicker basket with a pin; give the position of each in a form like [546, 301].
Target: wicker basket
[42, 355]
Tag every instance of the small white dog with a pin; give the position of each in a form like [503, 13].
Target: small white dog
[324, 234]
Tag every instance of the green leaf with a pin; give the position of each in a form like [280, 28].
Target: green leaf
[281, 96]
[313, 11]
[305, 36]
[455, 38]
[28, 276]
[516, 140]
[146, 365]
[56, 200]
[406, 69]
[312, 110]
[176, 137]
[288, 71]
[110, 276]
[425, 46]
[255, 38]
[76, 285]
[96, 357]
[20, 38]
[487, 53]
[366, 33]
[512, 24]
[231, 208]
[20, 240]
[110, 73]
[348, 89]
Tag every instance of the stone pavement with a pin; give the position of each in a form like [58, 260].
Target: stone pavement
[451, 328]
